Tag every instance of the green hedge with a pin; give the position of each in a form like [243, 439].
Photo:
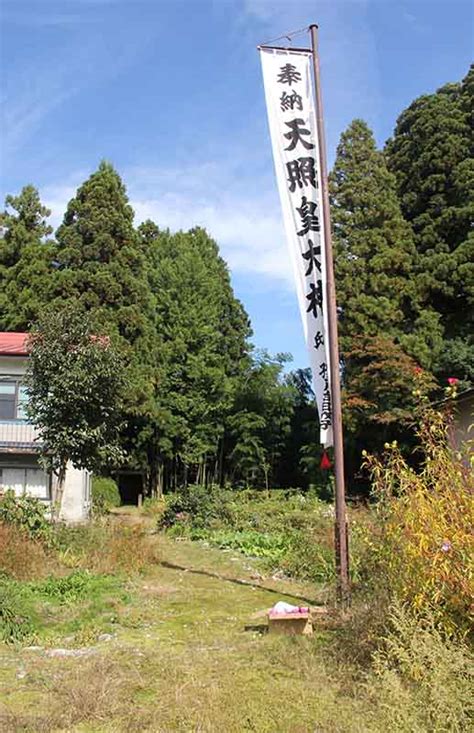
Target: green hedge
[105, 494]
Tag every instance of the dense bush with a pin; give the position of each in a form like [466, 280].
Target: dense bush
[27, 513]
[105, 494]
[198, 506]
[422, 545]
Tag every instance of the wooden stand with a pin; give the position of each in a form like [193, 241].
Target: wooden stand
[290, 624]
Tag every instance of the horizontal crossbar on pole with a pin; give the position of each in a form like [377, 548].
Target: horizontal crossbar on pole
[288, 48]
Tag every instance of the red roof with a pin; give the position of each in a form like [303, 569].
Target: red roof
[13, 344]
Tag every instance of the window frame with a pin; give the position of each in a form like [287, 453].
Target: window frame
[18, 402]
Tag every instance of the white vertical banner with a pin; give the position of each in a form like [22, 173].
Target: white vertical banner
[292, 120]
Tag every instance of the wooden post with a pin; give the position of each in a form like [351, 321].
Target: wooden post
[341, 539]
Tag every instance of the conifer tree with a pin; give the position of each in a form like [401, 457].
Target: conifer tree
[98, 258]
[203, 332]
[375, 253]
[101, 267]
[25, 260]
[432, 157]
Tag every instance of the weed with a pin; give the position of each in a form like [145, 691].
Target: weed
[422, 546]
[27, 513]
[22, 557]
[420, 679]
[16, 624]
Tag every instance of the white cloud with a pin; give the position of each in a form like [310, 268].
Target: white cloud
[249, 233]
[244, 220]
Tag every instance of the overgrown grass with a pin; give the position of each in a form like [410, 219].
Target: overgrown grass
[292, 532]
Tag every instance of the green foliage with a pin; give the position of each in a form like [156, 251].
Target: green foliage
[99, 264]
[431, 157]
[197, 505]
[421, 681]
[16, 624]
[260, 424]
[375, 252]
[76, 384]
[25, 260]
[105, 494]
[27, 513]
[79, 585]
[202, 329]
[288, 530]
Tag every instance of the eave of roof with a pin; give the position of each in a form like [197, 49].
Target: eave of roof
[13, 343]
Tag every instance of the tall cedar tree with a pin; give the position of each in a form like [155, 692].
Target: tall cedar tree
[375, 253]
[101, 267]
[432, 157]
[99, 262]
[380, 318]
[25, 260]
[203, 331]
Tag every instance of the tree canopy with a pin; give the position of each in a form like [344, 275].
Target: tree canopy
[432, 156]
[201, 404]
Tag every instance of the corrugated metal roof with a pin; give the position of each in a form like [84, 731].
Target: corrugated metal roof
[13, 344]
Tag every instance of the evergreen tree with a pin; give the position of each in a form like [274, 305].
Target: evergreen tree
[25, 260]
[381, 320]
[203, 333]
[99, 261]
[260, 422]
[432, 157]
[375, 253]
[101, 267]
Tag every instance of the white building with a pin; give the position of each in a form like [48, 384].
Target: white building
[19, 446]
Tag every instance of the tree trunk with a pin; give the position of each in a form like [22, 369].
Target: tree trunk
[57, 497]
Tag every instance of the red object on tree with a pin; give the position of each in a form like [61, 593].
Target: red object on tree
[325, 462]
[452, 381]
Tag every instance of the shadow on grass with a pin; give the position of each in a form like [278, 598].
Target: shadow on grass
[238, 581]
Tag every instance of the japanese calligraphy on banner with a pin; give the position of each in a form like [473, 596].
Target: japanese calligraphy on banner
[291, 115]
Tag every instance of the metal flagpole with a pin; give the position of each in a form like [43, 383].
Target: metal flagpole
[341, 539]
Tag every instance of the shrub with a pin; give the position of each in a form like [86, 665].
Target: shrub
[422, 547]
[196, 505]
[310, 556]
[421, 680]
[27, 513]
[105, 494]
[16, 624]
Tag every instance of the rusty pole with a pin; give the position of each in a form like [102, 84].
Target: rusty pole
[340, 529]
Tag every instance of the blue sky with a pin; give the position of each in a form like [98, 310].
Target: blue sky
[170, 91]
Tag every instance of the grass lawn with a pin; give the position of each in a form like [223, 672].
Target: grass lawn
[177, 656]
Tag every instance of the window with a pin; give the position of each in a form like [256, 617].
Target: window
[7, 400]
[13, 399]
[21, 403]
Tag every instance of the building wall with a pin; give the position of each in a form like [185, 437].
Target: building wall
[19, 468]
[464, 419]
[14, 366]
[76, 499]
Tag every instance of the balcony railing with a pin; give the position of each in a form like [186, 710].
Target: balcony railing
[18, 435]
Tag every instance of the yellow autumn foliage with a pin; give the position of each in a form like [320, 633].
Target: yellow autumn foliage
[423, 548]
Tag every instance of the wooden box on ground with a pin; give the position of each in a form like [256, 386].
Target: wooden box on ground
[290, 623]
